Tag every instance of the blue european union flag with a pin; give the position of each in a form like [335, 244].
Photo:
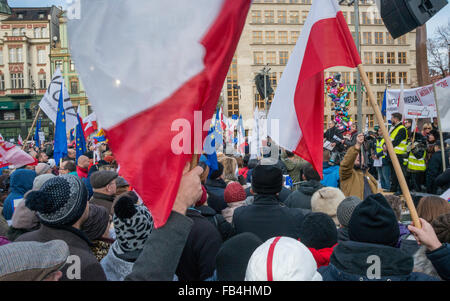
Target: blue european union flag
[60, 147]
[210, 149]
[218, 135]
[36, 134]
[383, 106]
[80, 142]
[72, 137]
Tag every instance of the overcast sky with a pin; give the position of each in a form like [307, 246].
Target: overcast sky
[441, 18]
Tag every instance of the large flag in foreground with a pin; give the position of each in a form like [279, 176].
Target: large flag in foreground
[145, 82]
[10, 154]
[325, 41]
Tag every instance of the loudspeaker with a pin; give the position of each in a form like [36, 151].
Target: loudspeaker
[402, 16]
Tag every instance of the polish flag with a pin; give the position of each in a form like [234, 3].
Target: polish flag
[325, 41]
[90, 124]
[146, 83]
[10, 154]
[20, 140]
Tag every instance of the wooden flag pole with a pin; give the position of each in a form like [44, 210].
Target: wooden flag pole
[390, 148]
[440, 128]
[31, 129]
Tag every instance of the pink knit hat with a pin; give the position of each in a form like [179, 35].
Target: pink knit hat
[234, 193]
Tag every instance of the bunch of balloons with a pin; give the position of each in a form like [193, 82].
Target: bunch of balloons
[335, 90]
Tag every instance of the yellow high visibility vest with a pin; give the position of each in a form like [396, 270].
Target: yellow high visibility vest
[417, 164]
[401, 148]
[380, 147]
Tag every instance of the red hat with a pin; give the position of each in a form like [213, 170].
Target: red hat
[234, 193]
[203, 198]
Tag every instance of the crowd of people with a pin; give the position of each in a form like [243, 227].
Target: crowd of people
[79, 220]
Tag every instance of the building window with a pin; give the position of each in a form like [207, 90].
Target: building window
[282, 37]
[15, 32]
[59, 64]
[380, 97]
[233, 89]
[1, 56]
[42, 81]
[389, 39]
[294, 17]
[41, 56]
[402, 57]
[294, 36]
[284, 56]
[271, 57]
[17, 81]
[2, 82]
[390, 57]
[379, 57]
[367, 38]
[378, 38]
[403, 76]
[345, 77]
[72, 66]
[37, 33]
[370, 77]
[402, 40]
[258, 58]
[273, 79]
[259, 101]
[365, 20]
[268, 16]
[44, 32]
[19, 55]
[370, 120]
[380, 78]
[391, 78]
[304, 16]
[257, 37]
[352, 18]
[12, 55]
[256, 16]
[74, 87]
[282, 17]
[368, 58]
[9, 116]
[270, 37]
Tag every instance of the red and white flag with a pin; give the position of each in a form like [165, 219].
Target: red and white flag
[10, 154]
[19, 140]
[325, 41]
[172, 63]
[90, 124]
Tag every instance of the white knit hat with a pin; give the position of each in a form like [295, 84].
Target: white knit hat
[282, 259]
[327, 200]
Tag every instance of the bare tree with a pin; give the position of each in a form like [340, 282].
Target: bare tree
[438, 51]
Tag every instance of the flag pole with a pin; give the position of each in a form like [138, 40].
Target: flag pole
[390, 148]
[440, 128]
[31, 129]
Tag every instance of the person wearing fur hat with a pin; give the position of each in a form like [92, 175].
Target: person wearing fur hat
[133, 224]
[301, 198]
[370, 253]
[104, 186]
[33, 261]
[282, 259]
[441, 226]
[267, 217]
[61, 206]
[215, 186]
[355, 178]
[319, 234]
[344, 213]
[234, 197]
[327, 200]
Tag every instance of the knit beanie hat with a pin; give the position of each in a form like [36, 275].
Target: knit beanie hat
[60, 201]
[318, 231]
[234, 192]
[97, 222]
[267, 179]
[327, 200]
[31, 260]
[374, 221]
[345, 209]
[234, 254]
[282, 259]
[441, 226]
[132, 224]
[40, 180]
[41, 168]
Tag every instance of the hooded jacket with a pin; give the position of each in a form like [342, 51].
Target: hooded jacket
[349, 262]
[322, 256]
[301, 198]
[330, 175]
[21, 181]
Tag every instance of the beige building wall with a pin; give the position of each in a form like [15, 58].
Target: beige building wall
[249, 45]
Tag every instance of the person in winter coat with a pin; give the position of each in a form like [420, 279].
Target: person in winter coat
[344, 213]
[104, 185]
[282, 259]
[434, 168]
[61, 205]
[319, 234]
[198, 260]
[215, 186]
[21, 181]
[330, 172]
[406, 241]
[161, 254]
[438, 253]
[234, 197]
[327, 200]
[133, 225]
[230, 169]
[441, 226]
[443, 180]
[294, 165]
[355, 179]
[252, 163]
[301, 198]
[373, 233]
[243, 171]
[267, 217]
